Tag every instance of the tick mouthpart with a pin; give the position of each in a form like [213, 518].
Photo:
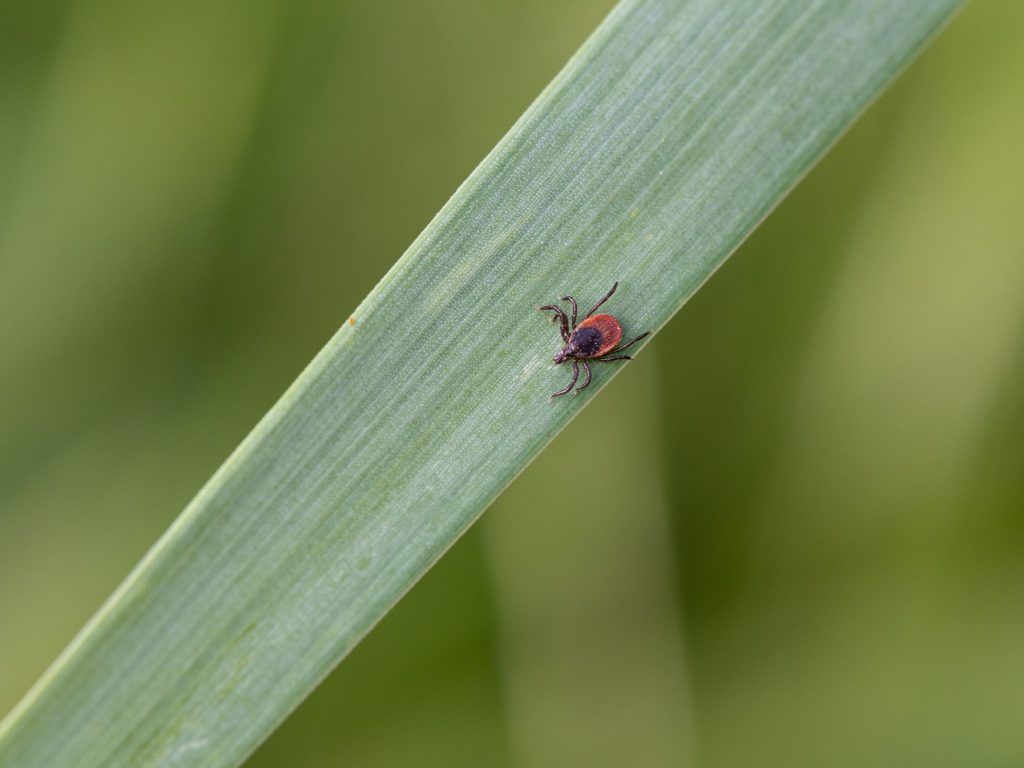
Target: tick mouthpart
[564, 355]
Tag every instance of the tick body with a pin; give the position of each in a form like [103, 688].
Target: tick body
[595, 339]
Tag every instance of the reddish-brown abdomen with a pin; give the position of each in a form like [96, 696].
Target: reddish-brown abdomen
[608, 327]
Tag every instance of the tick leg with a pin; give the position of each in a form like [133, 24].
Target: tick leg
[561, 316]
[585, 384]
[575, 375]
[628, 344]
[610, 359]
[607, 296]
[572, 301]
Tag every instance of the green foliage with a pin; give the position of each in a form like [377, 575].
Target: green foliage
[649, 158]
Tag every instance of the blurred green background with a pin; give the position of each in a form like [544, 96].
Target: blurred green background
[808, 548]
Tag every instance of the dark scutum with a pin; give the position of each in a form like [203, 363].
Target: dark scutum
[585, 341]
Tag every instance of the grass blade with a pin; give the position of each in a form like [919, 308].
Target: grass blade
[650, 157]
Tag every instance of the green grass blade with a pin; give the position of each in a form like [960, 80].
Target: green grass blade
[650, 157]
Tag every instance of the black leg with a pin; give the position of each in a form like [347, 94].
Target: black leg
[575, 375]
[560, 313]
[607, 296]
[610, 359]
[585, 384]
[572, 301]
[628, 344]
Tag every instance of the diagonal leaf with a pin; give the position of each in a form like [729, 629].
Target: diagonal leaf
[660, 146]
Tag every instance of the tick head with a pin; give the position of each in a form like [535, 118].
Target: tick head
[564, 354]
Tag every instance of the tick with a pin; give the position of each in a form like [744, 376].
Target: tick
[593, 339]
